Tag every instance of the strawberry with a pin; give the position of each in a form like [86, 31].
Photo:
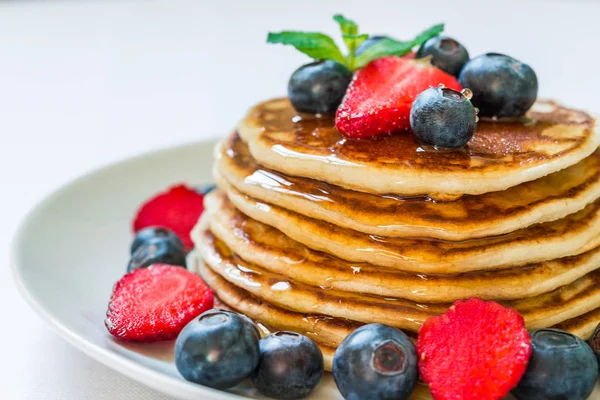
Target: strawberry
[177, 209]
[477, 350]
[155, 303]
[379, 98]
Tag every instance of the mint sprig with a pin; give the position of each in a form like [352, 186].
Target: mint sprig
[322, 47]
[351, 38]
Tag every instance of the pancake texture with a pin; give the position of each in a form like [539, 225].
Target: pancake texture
[569, 236]
[500, 155]
[547, 199]
[326, 330]
[270, 249]
[542, 311]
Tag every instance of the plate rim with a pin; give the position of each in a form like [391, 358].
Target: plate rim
[130, 368]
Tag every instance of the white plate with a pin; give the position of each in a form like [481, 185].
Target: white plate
[72, 248]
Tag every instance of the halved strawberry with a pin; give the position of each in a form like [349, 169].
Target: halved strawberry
[156, 303]
[477, 350]
[379, 98]
[177, 209]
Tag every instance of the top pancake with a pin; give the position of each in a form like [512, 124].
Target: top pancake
[501, 154]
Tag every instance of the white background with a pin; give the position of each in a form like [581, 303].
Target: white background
[85, 83]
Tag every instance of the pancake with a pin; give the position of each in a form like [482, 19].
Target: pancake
[569, 236]
[270, 249]
[546, 199]
[325, 330]
[501, 154]
[541, 311]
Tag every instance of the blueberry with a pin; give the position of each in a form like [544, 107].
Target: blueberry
[446, 53]
[152, 232]
[158, 250]
[595, 342]
[206, 189]
[501, 85]
[367, 43]
[562, 366]
[375, 362]
[290, 366]
[218, 349]
[318, 87]
[443, 117]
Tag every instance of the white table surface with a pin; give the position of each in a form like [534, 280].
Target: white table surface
[85, 83]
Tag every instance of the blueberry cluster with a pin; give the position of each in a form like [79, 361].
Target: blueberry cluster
[220, 349]
[498, 85]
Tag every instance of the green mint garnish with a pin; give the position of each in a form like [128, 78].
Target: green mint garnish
[390, 47]
[322, 47]
[315, 45]
[351, 38]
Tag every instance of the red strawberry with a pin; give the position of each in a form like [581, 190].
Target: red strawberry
[177, 209]
[477, 350]
[379, 98]
[155, 303]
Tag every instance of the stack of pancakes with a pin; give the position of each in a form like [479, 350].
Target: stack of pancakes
[319, 234]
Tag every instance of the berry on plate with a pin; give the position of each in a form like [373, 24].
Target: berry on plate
[158, 250]
[562, 366]
[446, 54]
[177, 209]
[290, 366]
[501, 85]
[155, 303]
[318, 87]
[375, 362]
[443, 117]
[218, 349]
[147, 234]
[379, 99]
[476, 350]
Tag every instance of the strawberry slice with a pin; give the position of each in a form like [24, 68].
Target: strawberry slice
[156, 303]
[177, 209]
[379, 98]
[477, 350]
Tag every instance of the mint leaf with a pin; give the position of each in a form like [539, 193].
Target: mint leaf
[355, 40]
[347, 26]
[390, 47]
[351, 37]
[352, 43]
[315, 45]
